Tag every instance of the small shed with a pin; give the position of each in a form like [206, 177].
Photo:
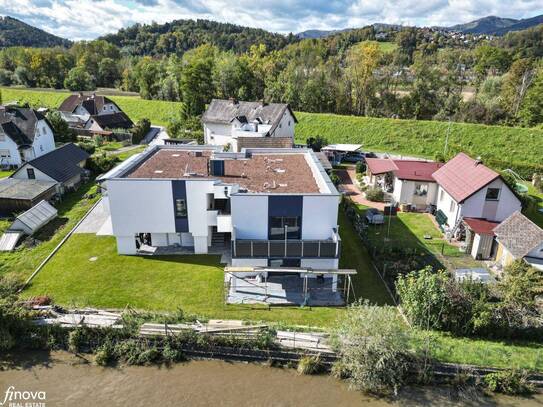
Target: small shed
[479, 237]
[34, 219]
[21, 194]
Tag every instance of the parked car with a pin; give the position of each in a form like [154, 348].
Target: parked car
[374, 216]
[353, 157]
[369, 154]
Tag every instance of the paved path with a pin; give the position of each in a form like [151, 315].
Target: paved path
[123, 149]
[348, 185]
[96, 221]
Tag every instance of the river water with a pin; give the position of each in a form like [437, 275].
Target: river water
[68, 380]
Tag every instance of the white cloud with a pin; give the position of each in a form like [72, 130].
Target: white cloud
[87, 19]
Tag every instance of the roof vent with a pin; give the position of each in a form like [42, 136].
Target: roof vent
[158, 171]
[478, 161]
[175, 155]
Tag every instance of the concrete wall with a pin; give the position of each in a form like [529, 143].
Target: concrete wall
[286, 126]
[9, 148]
[443, 202]
[319, 216]
[477, 206]
[404, 192]
[44, 140]
[217, 133]
[250, 216]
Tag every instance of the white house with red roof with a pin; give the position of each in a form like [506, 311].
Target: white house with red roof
[410, 181]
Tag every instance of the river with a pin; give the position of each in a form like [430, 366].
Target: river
[68, 380]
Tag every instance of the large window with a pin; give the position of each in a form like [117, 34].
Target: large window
[180, 208]
[282, 227]
[492, 194]
[30, 173]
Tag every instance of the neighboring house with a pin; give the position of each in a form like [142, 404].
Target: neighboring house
[94, 114]
[17, 195]
[24, 135]
[519, 238]
[65, 166]
[197, 196]
[248, 124]
[409, 181]
[469, 189]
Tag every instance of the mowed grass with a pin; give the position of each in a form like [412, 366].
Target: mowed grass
[158, 111]
[4, 174]
[500, 147]
[24, 260]
[535, 205]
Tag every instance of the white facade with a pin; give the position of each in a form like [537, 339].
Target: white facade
[221, 134]
[477, 206]
[148, 206]
[416, 193]
[13, 155]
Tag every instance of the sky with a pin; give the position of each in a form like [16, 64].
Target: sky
[88, 19]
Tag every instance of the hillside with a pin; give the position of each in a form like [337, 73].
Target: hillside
[500, 147]
[181, 35]
[493, 25]
[14, 33]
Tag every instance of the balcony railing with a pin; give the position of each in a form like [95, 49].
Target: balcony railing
[329, 249]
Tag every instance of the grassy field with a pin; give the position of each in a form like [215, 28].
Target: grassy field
[384, 46]
[4, 174]
[535, 205]
[500, 147]
[157, 111]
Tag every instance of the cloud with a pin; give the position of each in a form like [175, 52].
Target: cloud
[88, 19]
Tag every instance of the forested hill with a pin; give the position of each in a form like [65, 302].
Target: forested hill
[14, 33]
[182, 35]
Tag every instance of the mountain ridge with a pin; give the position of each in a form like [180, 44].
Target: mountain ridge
[14, 32]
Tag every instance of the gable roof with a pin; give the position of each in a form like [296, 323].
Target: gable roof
[91, 102]
[462, 176]
[224, 111]
[411, 170]
[113, 121]
[19, 123]
[519, 234]
[60, 164]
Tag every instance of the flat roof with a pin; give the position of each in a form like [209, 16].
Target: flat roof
[23, 189]
[257, 171]
[349, 148]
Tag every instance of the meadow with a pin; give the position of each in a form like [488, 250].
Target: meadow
[499, 146]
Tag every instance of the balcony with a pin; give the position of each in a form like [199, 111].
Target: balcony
[320, 249]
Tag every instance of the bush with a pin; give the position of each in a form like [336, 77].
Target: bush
[140, 130]
[101, 163]
[310, 364]
[335, 178]
[316, 143]
[89, 147]
[375, 195]
[104, 355]
[511, 382]
[373, 342]
[360, 167]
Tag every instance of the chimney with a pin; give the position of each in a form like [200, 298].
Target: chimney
[478, 161]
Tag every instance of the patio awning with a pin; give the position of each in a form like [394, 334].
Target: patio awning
[345, 148]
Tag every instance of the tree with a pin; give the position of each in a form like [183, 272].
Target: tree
[531, 112]
[491, 60]
[197, 79]
[79, 79]
[184, 125]
[140, 130]
[61, 130]
[362, 60]
[316, 143]
[516, 83]
[521, 283]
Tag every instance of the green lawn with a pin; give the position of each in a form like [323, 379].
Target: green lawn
[23, 261]
[535, 204]
[480, 352]
[194, 283]
[408, 230]
[4, 174]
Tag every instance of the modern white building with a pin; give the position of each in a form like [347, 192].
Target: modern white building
[239, 124]
[273, 207]
[25, 134]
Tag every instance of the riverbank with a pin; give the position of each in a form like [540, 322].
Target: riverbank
[73, 380]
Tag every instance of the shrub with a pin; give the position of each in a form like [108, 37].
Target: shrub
[89, 147]
[170, 354]
[316, 143]
[140, 130]
[335, 178]
[511, 382]
[360, 167]
[99, 164]
[77, 339]
[373, 344]
[105, 354]
[310, 364]
[375, 195]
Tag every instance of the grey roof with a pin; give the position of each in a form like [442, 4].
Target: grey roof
[60, 164]
[117, 120]
[224, 111]
[325, 162]
[19, 123]
[23, 189]
[38, 215]
[519, 234]
[9, 240]
[91, 102]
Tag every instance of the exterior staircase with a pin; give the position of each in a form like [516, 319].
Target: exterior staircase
[218, 240]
